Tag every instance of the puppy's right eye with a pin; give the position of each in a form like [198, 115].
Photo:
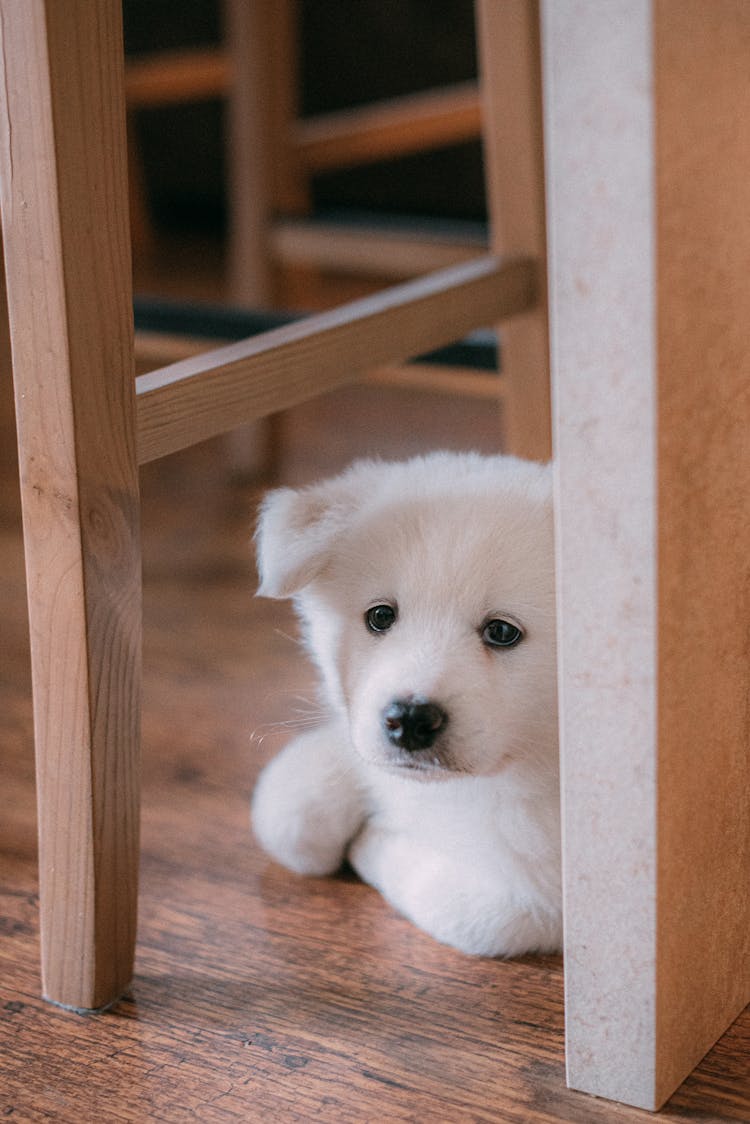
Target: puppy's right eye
[380, 618]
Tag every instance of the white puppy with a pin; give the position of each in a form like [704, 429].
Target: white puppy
[426, 589]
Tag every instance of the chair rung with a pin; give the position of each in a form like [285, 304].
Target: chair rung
[168, 330]
[382, 130]
[174, 77]
[208, 394]
[354, 249]
[463, 382]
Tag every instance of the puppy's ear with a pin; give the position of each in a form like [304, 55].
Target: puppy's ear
[295, 533]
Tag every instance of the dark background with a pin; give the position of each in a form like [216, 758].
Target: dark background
[351, 52]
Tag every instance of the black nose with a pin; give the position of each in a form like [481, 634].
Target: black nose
[414, 724]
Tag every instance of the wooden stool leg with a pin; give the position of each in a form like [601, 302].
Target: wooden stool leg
[508, 37]
[7, 420]
[64, 208]
[262, 182]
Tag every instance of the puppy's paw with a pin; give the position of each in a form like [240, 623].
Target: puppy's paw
[294, 827]
[449, 902]
[306, 806]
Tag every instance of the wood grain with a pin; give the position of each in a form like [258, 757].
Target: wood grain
[391, 254]
[62, 149]
[7, 415]
[152, 348]
[175, 77]
[385, 129]
[203, 396]
[508, 37]
[433, 379]
[250, 150]
[702, 152]
[258, 995]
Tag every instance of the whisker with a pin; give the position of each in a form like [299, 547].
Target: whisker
[260, 733]
[285, 636]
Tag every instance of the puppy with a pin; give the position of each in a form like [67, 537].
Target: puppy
[426, 592]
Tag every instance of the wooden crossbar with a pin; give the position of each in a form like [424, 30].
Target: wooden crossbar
[358, 249]
[205, 395]
[384, 129]
[175, 77]
[378, 130]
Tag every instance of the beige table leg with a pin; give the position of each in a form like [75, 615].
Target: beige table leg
[648, 196]
[64, 209]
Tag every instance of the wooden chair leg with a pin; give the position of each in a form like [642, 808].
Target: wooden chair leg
[266, 176]
[65, 227]
[510, 66]
[7, 420]
[249, 153]
[260, 38]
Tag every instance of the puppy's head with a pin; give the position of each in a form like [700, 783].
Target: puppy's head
[427, 592]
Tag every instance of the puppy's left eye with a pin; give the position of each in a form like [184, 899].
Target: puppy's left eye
[380, 618]
[501, 634]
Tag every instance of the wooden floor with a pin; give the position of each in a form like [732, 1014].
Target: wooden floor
[260, 996]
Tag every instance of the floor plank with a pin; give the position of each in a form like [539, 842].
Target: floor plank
[259, 995]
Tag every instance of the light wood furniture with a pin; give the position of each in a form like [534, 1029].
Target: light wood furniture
[211, 393]
[82, 431]
[68, 266]
[279, 254]
[508, 37]
[652, 413]
[276, 252]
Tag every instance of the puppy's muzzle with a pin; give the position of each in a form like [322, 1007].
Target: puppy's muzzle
[413, 724]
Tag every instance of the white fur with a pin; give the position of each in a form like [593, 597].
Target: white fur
[462, 837]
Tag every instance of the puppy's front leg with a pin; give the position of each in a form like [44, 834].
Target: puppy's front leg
[471, 912]
[307, 804]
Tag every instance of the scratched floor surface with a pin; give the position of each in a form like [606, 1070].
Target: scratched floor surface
[260, 996]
